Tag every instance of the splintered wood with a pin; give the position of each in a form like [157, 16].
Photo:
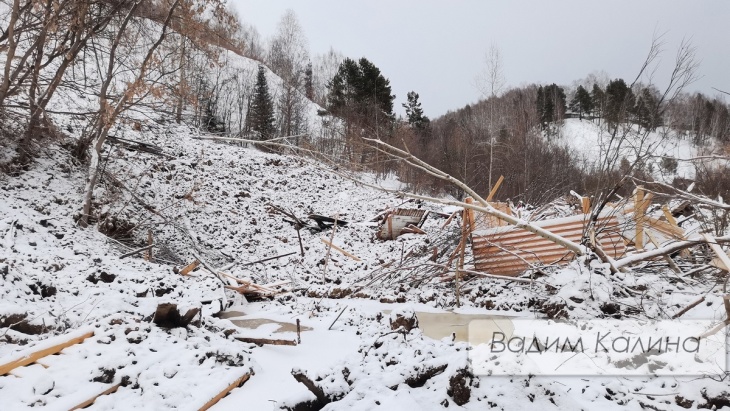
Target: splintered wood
[401, 221]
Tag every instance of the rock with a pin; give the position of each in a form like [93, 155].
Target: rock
[168, 316]
[404, 318]
[459, 386]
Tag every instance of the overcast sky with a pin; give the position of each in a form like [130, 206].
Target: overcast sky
[437, 48]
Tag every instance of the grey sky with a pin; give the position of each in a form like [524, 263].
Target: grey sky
[437, 47]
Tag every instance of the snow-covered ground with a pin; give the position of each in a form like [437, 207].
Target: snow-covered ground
[220, 195]
[592, 143]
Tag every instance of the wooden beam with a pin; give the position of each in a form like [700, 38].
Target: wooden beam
[639, 218]
[190, 267]
[36, 355]
[91, 400]
[667, 258]
[235, 384]
[340, 250]
[148, 256]
[668, 215]
[721, 254]
[495, 188]
[262, 341]
[585, 203]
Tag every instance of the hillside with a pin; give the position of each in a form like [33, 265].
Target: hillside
[240, 248]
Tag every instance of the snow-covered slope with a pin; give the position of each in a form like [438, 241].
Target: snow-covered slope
[593, 143]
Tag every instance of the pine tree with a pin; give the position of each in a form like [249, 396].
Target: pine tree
[598, 98]
[308, 82]
[360, 93]
[619, 101]
[581, 102]
[262, 108]
[414, 112]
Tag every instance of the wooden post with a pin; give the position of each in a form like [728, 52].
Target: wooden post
[329, 249]
[495, 188]
[390, 227]
[148, 255]
[638, 218]
[585, 204]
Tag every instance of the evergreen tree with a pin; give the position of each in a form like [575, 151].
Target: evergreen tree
[550, 104]
[359, 93]
[262, 108]
[646, 109]
[598, 98]
[619, 102]
[414, 112]
[308, 82]
[581, 102]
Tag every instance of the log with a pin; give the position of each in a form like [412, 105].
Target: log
[34, 356]
[311, 386]
[448, 220]
[328, 243]
[262, 341]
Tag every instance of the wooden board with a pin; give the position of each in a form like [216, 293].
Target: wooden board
[36, 355]
[235, 384]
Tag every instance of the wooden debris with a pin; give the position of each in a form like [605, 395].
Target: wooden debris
[333, 322]
[262, 341]
[148, 254]
[398, 220]
[327, 222]
[190, 267]
[495, 188]
[448, 220]
[412, 229]
[235, 384]
[687, 308]
[137, 251]
[722, 257]
[336, 248]
[112, 389]
[34, 356]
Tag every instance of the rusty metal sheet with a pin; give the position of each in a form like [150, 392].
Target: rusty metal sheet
[509, 251]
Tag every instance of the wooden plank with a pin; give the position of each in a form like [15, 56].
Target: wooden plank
[35, 356]
[235, 384]
[190, 267]
[340, 250]
[148, 255]
[639, 218]
[668, 215]
[495, 188]
[262, 341]
[91, 400]
[721, 255]
[585, 205]
[448, 220]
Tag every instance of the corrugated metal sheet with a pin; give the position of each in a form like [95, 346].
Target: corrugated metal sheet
[510, 251]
